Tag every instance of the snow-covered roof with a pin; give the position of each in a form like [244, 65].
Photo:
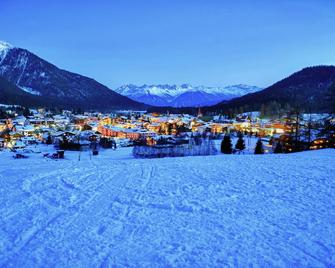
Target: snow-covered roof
[18, 144]
[253, 114]
[28, 138]
[27, 128]
[314, 117]
[60, 133]
[58, 116]
[20, 118]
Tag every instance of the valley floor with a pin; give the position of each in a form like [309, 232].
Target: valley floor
[224, 210]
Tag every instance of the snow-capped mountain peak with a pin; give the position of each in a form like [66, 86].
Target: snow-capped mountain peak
[184, 95]
[4, 45]
[4, 48]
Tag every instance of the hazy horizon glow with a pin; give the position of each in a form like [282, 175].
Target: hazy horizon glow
[201, 42]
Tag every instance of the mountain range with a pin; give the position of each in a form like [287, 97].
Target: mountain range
[311, 89]
[184, 95]
[44, 82]
[31, 81]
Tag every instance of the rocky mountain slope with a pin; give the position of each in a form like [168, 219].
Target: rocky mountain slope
[311, 89]
[38, 77]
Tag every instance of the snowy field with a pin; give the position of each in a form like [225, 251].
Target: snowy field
[115, 211]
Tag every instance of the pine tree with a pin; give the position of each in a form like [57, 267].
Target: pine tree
[26, 112]
[328, 131]
[307, 130]
[293, 127]
[259, 147]
[226, 146]
[240, 145]
[263, 110]
[279, 148]
[49, 140]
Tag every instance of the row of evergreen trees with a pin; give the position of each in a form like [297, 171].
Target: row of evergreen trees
[227, 146]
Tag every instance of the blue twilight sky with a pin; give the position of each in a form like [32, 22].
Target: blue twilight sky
[202, 42]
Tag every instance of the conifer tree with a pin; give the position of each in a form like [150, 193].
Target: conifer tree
[226, 146]
[278, 149]
[328, 131]
[240, 145]
[259, 147]
[49, 140]
[293, 126]
[26, 112]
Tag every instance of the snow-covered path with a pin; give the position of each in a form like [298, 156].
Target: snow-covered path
[236, 210]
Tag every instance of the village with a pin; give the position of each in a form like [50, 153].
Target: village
[90, 131]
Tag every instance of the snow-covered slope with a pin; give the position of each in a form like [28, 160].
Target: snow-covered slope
[218, 211]
[183, 95]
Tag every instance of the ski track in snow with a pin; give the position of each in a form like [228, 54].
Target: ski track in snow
[238, 210]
